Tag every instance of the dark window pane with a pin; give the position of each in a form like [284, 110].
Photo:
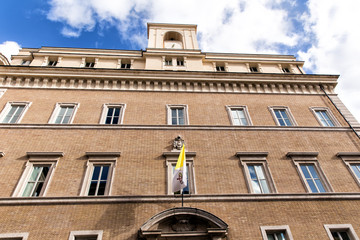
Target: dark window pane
[105, 172]
[117, 112]
[110, 112]
[96, 173]
[108, 120]
[101, 190]
[92, 188]
[38, 189]
[115, 120]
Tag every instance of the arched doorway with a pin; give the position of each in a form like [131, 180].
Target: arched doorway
[183, 223]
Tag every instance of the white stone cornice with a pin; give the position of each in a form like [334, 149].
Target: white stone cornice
[174, 127]
[171, 199]
[140, 80]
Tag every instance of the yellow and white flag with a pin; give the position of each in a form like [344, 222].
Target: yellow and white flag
[180, 176]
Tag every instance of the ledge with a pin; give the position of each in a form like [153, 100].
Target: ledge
[103, 154]
[302, 154]
[176, 154]
[168, 127]
[172, 199]
[349, 156]
[252, 154]
[44, 154]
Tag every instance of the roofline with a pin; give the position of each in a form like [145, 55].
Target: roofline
[170, 24]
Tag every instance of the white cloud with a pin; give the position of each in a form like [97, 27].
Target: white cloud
[334, 27]
[9, 48]
[328, 34]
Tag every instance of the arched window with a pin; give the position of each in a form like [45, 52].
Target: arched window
[173, 40]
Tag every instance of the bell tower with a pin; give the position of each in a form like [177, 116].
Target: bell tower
[172, 36]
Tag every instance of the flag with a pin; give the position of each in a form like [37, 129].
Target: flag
[180, 176]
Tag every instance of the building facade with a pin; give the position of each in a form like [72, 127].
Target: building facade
[90, 137]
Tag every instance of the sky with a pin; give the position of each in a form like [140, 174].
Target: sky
[323, 33]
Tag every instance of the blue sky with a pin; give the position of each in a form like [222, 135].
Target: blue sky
[323, 33]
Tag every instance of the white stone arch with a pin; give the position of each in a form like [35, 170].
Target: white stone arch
[183, 223]
[173, 39]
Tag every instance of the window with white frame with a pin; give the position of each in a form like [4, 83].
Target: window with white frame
[220, 68]
[37, 174]
[180, 62]
[99, 173]
[324, 116]
[112, 113]
[257, 173]
[13, 112]
[14, 236]
[168, 61]
[25, 62]
[171, 160]
[308, 167]
[86, 235]
[177, 114]
[64, 113]
[352, 162]
[253, 69]
[239, 115]
[340, 232]
[276, 232]
[282, 116]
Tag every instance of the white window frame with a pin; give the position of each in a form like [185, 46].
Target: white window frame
[230, 108]
[328, 112]
[288, 113]
[7, 108]
[105, 108]
[340, 227]
[98, 233]
[171, 160]
[256, 158]
[273, 229]
[169, 107]
[37, 159]
[23, 235]
[57, 109]
[2, 92]
[349, 159]
[99, 158]
[309, 158]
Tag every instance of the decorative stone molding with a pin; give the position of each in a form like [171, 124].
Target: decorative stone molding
[165, 81]
[310, 156]
[178, 143]
[182, 223]
[349, 156]
[107, 156]
[252, 155]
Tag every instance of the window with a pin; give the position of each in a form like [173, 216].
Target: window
[13, 112]
[239, 115]
[86, 235]
[285, 70]
[313, 178]
[112, 113]
[171, 160]
[256, 171]
[340, 232]
[253, 69]
[177, 115]
[64, 113]
[14, 236]
[220, 68]
[52, 63]
[99, 173]
[282, 116]
[276, 233]
[324, 116]
[180, 62]
[352, 162]
[25, 62]
[168, 62]
[37, 174]
[125, 65]
[89, 64]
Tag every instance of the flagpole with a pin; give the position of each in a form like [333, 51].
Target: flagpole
[182, 198]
